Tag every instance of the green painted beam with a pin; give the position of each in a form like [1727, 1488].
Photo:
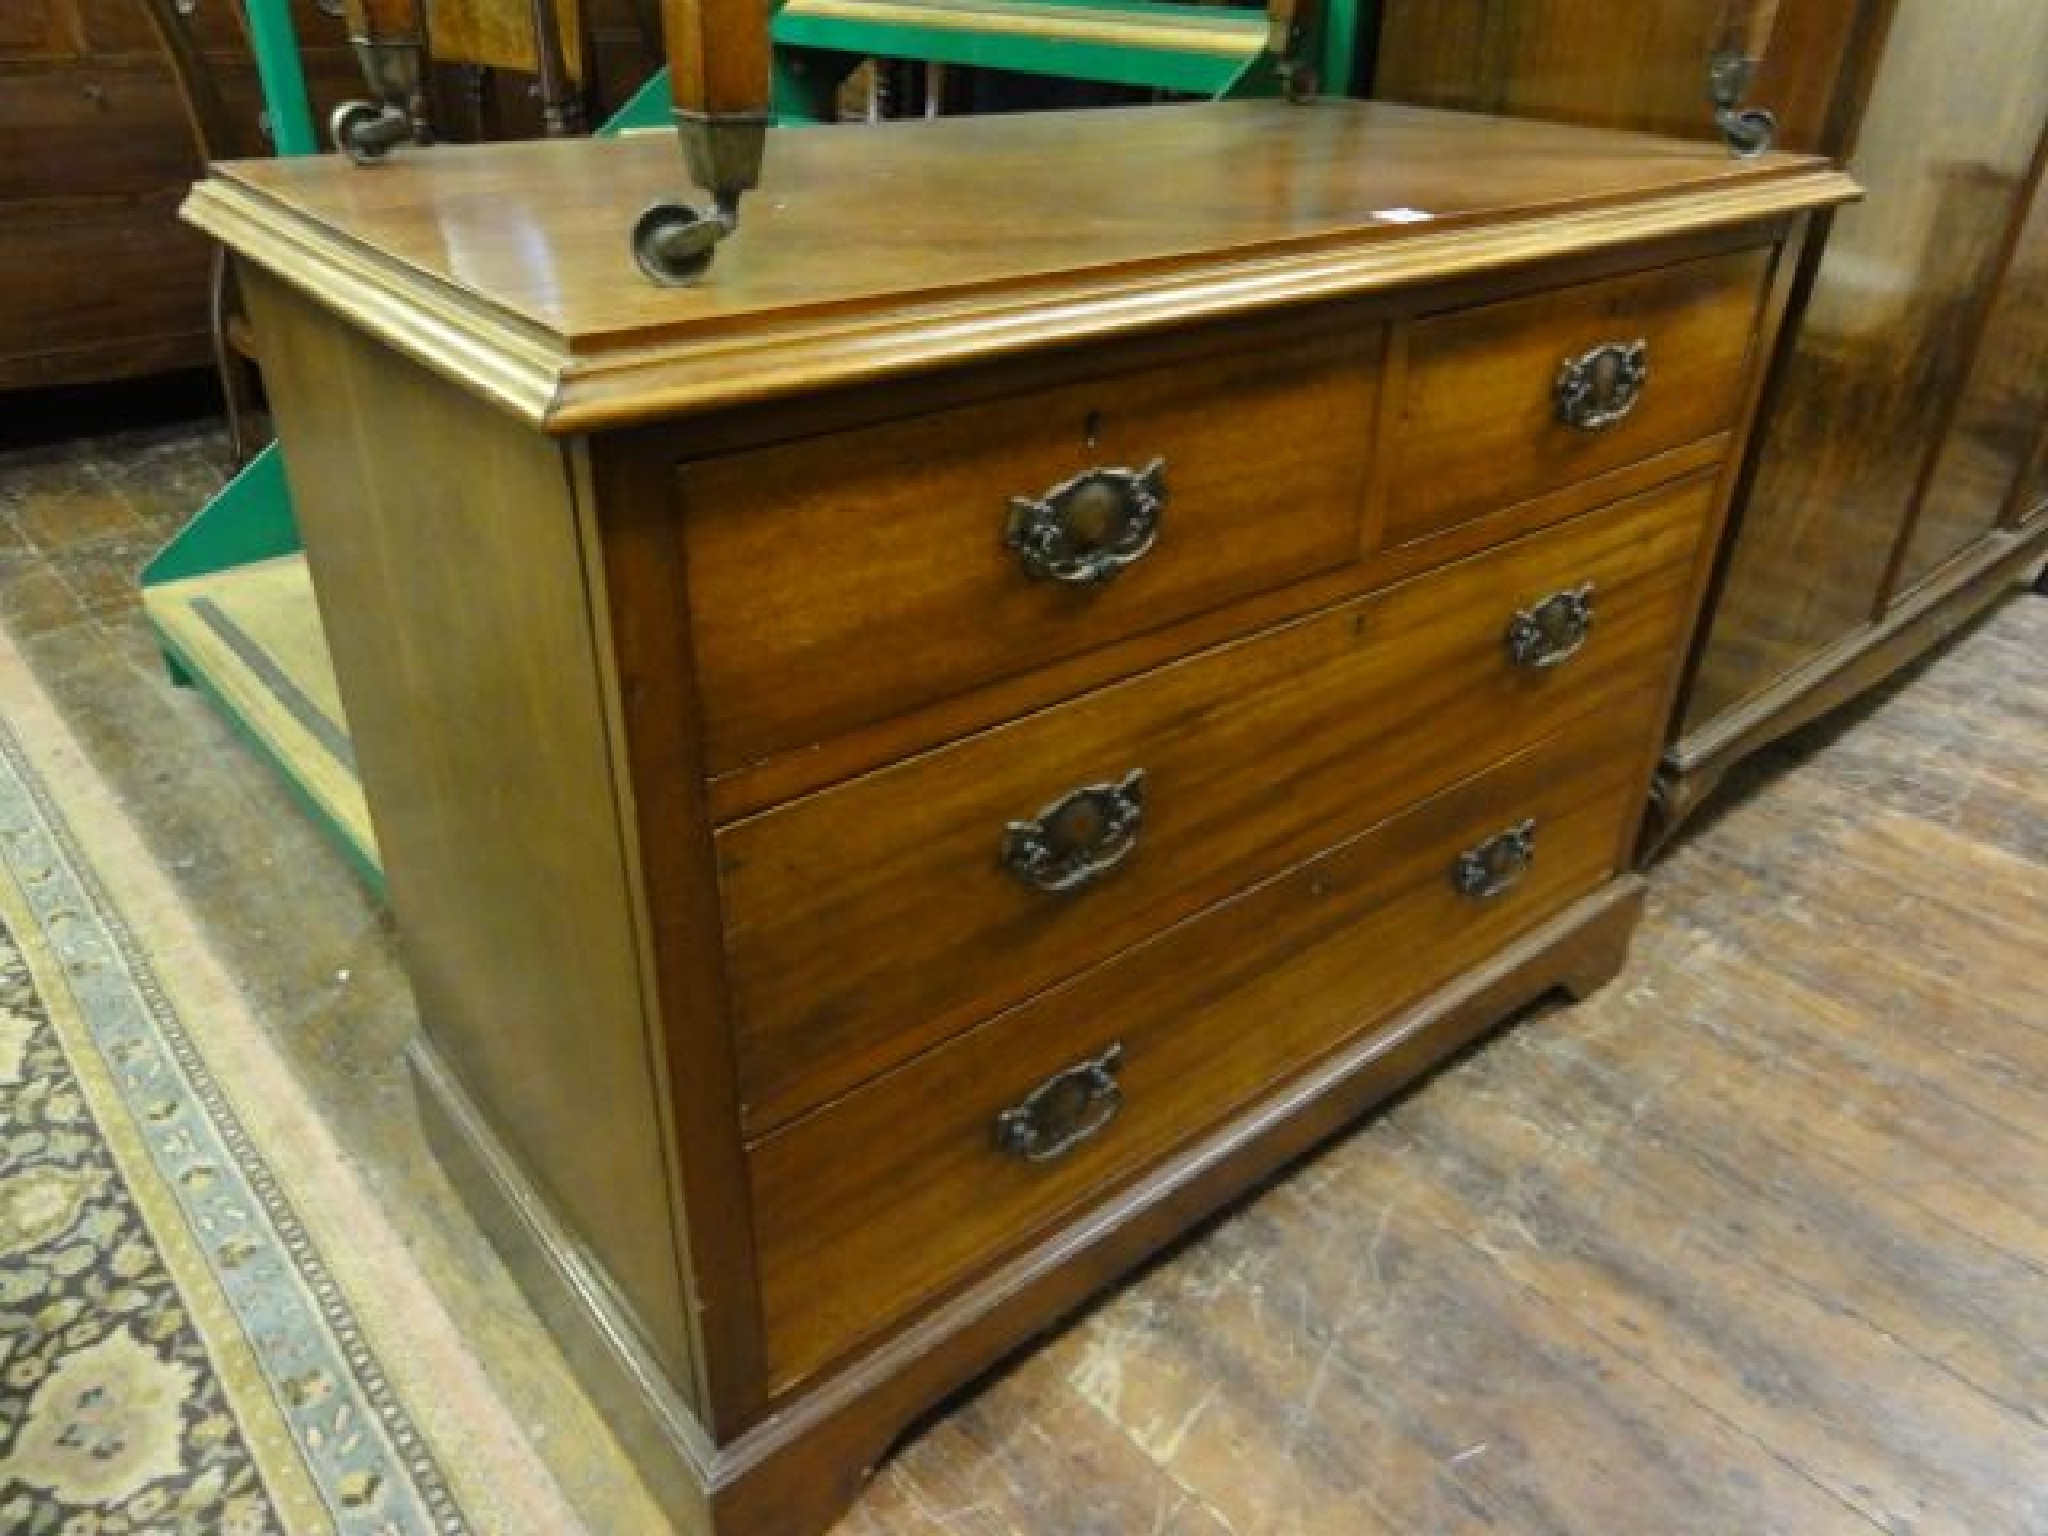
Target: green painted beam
[1199, 74]
[275, 42]
[647, 107]
[1336, 50]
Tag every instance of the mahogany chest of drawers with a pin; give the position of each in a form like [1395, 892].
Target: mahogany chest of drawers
[1090, 649]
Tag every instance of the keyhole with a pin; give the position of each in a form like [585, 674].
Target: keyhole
[1607, 378]
[1091, 430]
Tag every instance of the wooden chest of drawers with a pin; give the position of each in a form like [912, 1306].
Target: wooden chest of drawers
[913, 771]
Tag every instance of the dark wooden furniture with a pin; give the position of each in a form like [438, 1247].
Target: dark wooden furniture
[913, 770]
[1894, 488]
[452, 67]
[100, 279]
[217, 134]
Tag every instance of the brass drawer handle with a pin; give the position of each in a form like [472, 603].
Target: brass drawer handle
[1489, 868]
[1597, 388]
[1079, 837]
[1085, 531]
[1552, 632]
[1063, 1111]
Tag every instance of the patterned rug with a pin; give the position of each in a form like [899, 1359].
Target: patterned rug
[184, 1258]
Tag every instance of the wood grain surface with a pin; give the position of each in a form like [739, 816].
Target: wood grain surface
[1474, 422]
[1634, 64]
[1752, 1241]
[761, 786]
[2032, 498]
[1884, 345]
[878, 252]
[1256, 755]
[483, 753]
[899, 1188]
[1220, 180]
[679, 1025]
[2001, 410]
[906, 573]
[102, 281]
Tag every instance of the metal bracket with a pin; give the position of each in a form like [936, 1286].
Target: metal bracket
[1749, 130]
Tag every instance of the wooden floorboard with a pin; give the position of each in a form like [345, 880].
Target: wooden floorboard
[1755, 1241]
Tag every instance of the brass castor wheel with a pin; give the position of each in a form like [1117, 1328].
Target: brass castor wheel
[674, 243]
[366, 132]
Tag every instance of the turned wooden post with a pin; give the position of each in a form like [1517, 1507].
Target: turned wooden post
[719, 80]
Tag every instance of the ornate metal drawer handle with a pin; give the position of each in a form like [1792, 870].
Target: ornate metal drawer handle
[1484, 871]
[1084, 531]
[1079, 837]
[1554, 630]
[1063, 1111]
[1597, 388]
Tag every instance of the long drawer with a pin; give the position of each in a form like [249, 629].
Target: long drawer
[1506, 401]
[882, 1199]
[1184, 785]
[948, 550]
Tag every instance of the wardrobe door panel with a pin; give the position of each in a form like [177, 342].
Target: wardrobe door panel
[1998, 418]
[1944, 147]
[1642, 66]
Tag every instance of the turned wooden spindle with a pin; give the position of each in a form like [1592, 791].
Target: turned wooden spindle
[718, 65]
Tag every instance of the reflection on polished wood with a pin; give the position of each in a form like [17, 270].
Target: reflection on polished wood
[1721, 1251]
[1856, 476]
[1356, 711]
[2002, 411]
[517, 281]
[658, 1034]
[897, 555]
[1638, 65]
[1479, 422]
[1886, 336]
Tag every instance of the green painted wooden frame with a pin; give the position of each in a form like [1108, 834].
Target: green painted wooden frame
[1240, 35]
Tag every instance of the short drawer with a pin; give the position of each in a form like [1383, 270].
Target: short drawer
[1508, 401]
[876, 918]
[951, 549]
[880, 1201]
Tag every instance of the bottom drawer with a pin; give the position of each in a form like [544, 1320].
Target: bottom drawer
[877, 1202]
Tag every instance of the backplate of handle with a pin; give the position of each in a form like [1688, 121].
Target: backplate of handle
[1086, 530]
[1486, 869]
[1063, 1111]
[1553, 631]
[1599, 387]
[1079, 837]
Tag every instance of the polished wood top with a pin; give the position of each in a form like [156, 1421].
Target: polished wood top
[873, 249]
